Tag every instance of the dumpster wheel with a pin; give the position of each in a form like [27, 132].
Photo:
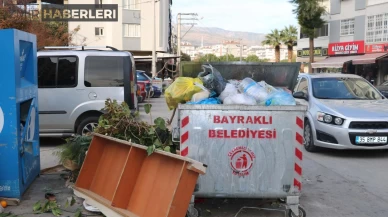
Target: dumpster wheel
[302, 213]
[193, 212]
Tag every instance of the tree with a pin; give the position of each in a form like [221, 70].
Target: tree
[289, 37]
[252, 58]
[309, 14]
[47, 33]
[227, 58]
[209, 58]
[185, 57]
[274, 39]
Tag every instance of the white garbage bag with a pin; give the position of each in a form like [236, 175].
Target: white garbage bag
[240, 99]
[229, 90]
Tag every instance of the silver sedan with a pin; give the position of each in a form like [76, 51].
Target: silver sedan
[344, 112]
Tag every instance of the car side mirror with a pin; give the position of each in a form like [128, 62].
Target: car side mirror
[300, 95]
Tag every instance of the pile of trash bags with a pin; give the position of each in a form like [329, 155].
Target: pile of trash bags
[211, 88]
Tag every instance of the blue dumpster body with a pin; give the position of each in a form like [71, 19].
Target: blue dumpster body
[19, 113]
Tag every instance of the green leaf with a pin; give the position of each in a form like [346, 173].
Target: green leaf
[160, 123]
[167, 149]
[67, 203]
[56, 211]
[147, 108]
[150, 149]
[157, 143]
[37, 206]
[151, 131]
[72, 202]
[78, 213]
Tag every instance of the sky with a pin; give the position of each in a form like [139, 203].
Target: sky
[259, 16]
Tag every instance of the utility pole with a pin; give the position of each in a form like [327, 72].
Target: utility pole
[179, 42]
[179, 23]
[154, 42]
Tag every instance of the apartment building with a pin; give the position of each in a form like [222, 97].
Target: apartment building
[134, 29]
[267, 52]
[189, 49]
[355, 39]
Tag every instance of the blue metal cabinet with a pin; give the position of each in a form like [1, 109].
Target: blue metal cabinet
[19, 120]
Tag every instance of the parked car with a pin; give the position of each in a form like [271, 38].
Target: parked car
[383, 88]
[344, 112]
[157, 92]
[142, 77]
[74, 85]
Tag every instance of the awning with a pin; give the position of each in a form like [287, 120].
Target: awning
[369, 58]
[332, 62]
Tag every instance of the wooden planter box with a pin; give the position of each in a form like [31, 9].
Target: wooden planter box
[120, 179]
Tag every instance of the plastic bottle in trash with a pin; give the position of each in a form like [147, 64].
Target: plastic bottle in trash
[253, 89]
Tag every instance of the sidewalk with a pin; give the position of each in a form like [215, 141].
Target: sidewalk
[52, 183]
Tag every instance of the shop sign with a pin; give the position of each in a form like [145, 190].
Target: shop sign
[346, 48]
[318, 51]
[376, 48]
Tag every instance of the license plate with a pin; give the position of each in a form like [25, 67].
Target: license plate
[371, 139]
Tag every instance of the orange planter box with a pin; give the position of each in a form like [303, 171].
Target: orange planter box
[120, 179]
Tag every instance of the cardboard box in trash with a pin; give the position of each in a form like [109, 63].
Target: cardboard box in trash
[119, 179]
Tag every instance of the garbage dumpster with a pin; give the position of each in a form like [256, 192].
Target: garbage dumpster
[251, 151]
[19, 120]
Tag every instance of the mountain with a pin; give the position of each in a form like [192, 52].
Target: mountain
[212, 36]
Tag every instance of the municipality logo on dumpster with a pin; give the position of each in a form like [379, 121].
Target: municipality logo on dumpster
[241, 160]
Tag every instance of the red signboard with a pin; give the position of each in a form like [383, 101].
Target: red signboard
[376, 48]
[346, 48]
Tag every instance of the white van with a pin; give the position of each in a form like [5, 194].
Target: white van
[74, 85]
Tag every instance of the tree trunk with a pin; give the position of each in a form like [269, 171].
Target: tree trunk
[277, 54]
[290, 52]
[311, 53]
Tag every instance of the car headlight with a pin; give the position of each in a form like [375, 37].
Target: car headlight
[329, 119]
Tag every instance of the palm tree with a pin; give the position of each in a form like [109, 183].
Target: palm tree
[289, 37]
[274, 39]
[309, 14]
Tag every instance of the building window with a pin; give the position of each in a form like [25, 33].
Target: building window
[99, 31]
[103, 71]
[377, 30]
[131, 30]
[321, 32]
[347, 27]
[57, 72]
[131, 4]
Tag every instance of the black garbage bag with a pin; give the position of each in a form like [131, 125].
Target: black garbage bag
[212, 79]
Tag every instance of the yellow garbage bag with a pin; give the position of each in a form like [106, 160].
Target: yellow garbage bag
[181, 91]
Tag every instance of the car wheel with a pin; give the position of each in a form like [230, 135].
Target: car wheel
[308, 138]
[87, 125]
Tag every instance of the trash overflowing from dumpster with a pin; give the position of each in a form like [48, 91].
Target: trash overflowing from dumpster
[229, 92]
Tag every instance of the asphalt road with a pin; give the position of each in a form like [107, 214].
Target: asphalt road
[335, 183]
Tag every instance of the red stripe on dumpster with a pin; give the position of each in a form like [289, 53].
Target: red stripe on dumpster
[297, 184]
[298, 154]
[299, 122]
[299, 138]
[185, 121]
[184, 137]
[298, 169]
[185, 152]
